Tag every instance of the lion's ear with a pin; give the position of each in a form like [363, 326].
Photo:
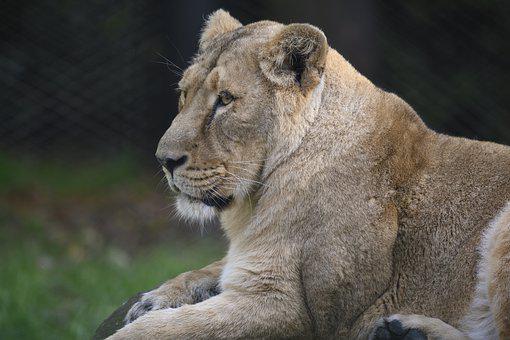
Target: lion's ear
[217, 23]
[295, 56]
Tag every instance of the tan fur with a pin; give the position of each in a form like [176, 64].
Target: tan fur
[490, 312]
[499, 277]
[346, 208]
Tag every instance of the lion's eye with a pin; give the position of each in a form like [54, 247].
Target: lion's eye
[225, 98]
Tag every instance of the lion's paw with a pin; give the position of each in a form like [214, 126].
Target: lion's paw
[148, 302]
[393, 329]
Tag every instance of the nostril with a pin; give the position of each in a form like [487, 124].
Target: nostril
[170, 164]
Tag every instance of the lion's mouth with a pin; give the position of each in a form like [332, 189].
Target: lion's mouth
[212, 200]
[211, 196]
[217, 201]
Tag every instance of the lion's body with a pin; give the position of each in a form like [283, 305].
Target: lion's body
[362, 212]
[379, 167]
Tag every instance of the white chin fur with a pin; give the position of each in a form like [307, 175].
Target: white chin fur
[194, 211]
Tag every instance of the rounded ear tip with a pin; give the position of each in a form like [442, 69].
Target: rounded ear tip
[295, 55]
[305, 39]
[218, 12]
[222, 17]
[306, 31]
[217, 23]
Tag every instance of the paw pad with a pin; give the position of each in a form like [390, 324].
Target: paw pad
[394, 330]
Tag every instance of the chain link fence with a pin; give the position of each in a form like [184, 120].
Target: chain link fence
[82, 77]
[75, 75]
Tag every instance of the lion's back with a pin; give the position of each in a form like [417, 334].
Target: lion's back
[464, 186]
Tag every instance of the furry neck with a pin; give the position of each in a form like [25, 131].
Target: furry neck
[288, 140]
[291, 131]
[337, 88]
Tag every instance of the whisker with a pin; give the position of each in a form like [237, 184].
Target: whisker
[175, 47]
[216, 195]
[161, 182]
[177, 73]
[159, 171]
[169, 61]
[241, 179]
[249, 171]
[248, 162]
[255, 161]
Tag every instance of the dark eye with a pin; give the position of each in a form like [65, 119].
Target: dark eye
[225, 98]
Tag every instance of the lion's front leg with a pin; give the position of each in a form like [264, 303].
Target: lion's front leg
[188, 288]
[231, 314]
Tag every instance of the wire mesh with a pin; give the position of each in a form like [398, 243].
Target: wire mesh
[80, 77]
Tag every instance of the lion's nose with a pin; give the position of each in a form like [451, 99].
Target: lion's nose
[171, 163]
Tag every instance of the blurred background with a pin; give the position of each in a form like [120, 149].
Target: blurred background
[87, 89]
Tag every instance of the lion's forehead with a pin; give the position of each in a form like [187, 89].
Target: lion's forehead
[236, 72]
[234, 50]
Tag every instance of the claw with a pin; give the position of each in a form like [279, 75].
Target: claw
[139, 309]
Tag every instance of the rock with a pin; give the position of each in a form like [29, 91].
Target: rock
[116, 320]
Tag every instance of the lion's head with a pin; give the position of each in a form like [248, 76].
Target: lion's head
[241, 110]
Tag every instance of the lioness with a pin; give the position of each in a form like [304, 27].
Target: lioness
[347, 217]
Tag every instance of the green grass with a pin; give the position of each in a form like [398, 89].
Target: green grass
[68, 176]
[60, 277]
[44, 295]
